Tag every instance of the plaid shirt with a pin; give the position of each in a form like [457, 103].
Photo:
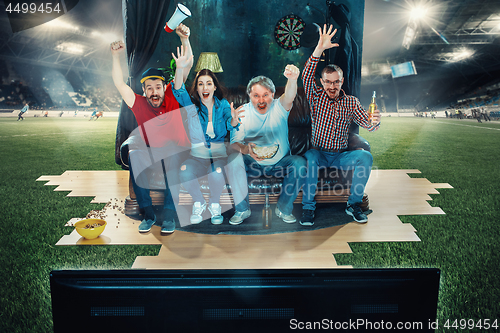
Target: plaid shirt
[331, 119]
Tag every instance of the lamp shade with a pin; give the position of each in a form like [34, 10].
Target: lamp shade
[209, 60]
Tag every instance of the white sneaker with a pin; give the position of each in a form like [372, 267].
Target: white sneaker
[215, 210]
[238, 217]
[198, 210]
[286, 218]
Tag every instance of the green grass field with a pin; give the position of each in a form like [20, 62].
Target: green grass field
[463, 243]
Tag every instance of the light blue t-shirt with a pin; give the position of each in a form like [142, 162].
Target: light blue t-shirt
[264, 129]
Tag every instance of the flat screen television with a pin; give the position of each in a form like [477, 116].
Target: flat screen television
[281, 300]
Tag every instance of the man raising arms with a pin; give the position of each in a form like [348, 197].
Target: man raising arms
[332, 112]
[160, 124]
[266, 123]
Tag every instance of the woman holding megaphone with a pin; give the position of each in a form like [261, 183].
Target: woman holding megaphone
[210, 116]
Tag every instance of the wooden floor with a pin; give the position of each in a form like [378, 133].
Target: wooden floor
[391, 193]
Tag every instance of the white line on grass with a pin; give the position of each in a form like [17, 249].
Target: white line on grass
[444, 122]
[49, 134]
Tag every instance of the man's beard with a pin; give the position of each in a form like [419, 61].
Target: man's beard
[155, 100]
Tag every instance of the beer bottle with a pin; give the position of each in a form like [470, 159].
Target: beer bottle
[372, 107]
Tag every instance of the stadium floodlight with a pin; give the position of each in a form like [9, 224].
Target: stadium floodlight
[68, 47]
[411, 32]
[107, 37]
[496, 28]
[461, 54]
[418, 13]
[58, 24]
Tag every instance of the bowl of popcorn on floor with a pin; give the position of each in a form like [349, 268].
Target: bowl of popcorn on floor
[90, 228]
[266, 151]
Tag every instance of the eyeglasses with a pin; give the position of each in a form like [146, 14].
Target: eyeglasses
[329, 83]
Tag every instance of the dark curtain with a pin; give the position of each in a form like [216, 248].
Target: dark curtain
[347, 53]
[143, 23]
[346, 56]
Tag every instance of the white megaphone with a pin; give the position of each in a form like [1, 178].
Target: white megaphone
[181, 13]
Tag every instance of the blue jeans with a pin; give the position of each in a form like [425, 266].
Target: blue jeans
[171, 165]
[292, 168]
[237, 178]
[360, 161]
[194, 168]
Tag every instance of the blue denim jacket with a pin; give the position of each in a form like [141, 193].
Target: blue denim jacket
[221, 118]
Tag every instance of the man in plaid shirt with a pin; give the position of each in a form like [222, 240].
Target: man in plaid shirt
[332, 112]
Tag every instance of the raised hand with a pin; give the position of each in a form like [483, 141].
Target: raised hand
[117, 47]
[291, 72]
[182, 60]
[236, 115]
[182, 31]
[325, 38]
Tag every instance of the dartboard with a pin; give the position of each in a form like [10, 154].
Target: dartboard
[288, 31]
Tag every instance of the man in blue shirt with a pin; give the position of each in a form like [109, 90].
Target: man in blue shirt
[265, 124]
[23, 111]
